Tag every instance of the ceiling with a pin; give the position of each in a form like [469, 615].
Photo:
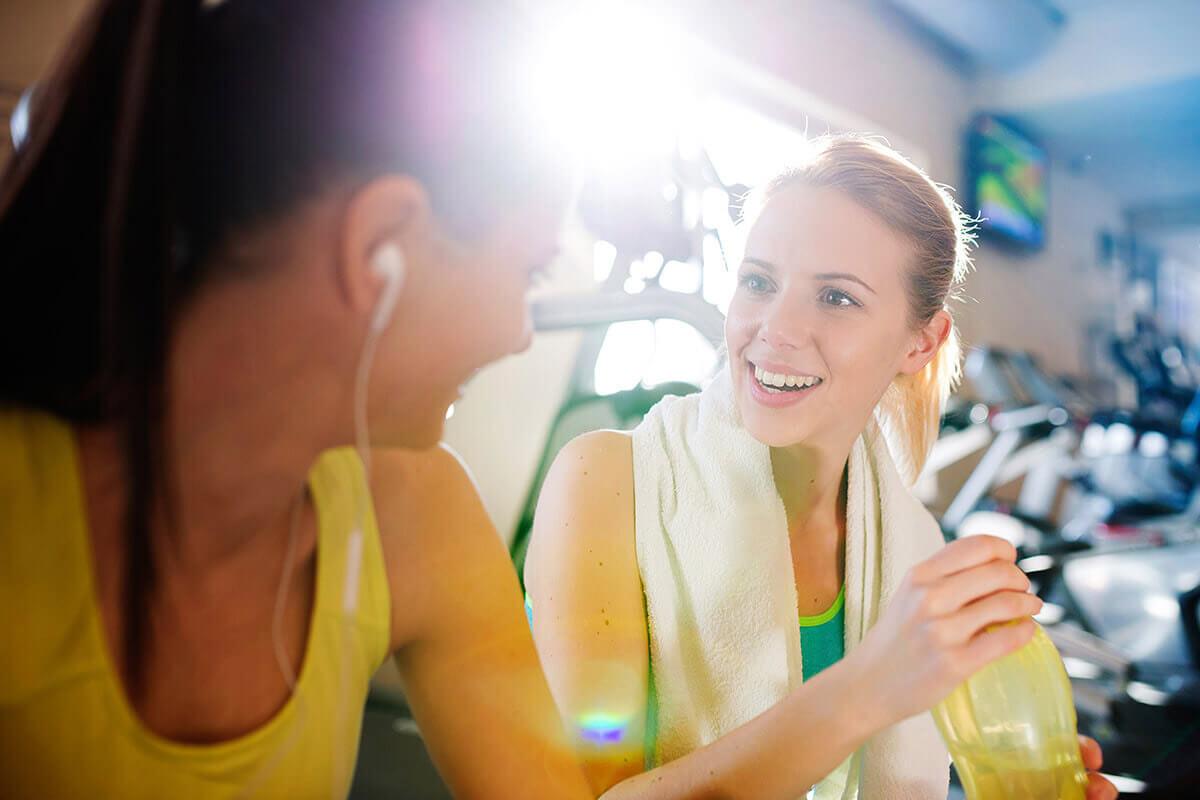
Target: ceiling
[1111, 88]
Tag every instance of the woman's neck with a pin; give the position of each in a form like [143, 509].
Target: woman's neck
[810, 481]
[253, 397]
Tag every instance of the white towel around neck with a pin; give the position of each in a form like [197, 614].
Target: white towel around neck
[715, 563]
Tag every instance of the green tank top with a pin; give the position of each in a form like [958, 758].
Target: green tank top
[822, 637]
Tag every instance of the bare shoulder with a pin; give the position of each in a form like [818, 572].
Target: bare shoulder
[585, 512]
[434, 530]
[595, 463]
[418, 493]
[396, 472]
[592, 477]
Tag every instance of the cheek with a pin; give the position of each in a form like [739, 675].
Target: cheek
[740, 326]
[495, 298]
[864, 356]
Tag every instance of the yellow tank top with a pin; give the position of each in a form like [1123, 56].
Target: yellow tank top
[66, 727]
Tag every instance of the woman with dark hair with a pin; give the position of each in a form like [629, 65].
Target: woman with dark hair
[226, 218]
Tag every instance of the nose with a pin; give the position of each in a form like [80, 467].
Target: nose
[786, 326]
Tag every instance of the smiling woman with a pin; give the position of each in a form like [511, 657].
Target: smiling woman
[845, 203]
[743, 589]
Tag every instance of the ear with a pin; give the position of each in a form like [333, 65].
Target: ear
[925, 343]
[394, 208]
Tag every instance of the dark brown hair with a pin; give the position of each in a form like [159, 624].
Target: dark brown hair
[170, 127]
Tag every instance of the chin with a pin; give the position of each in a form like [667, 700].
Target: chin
[515, 340]
[524, 342]
[426, 442]
[774, 435]
[406, 435]
[774, 428]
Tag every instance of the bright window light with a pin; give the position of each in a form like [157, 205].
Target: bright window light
[604, 256]
[627, 350]
[651, 353]
[745, 146]
[610, 80]
[681, 353]
[719, 280]
[680, 276]
[653, 263]
[714, 207]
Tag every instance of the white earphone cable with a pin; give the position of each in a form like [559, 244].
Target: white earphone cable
[350, 596]
[285, 667]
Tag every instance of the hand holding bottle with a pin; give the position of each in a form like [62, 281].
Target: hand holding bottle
[945, 622]
[1098, 787]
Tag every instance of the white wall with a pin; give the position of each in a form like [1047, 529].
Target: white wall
[1044, 303]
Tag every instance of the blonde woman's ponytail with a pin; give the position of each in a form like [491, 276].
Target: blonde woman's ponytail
[911, 409]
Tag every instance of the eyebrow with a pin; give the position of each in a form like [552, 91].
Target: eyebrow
[824, 276]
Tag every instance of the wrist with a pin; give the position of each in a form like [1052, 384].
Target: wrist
[868, 703]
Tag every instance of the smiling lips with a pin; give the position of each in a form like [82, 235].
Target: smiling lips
[783, 382]
[778, 389]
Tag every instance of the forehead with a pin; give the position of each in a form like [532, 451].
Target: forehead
[821, 229]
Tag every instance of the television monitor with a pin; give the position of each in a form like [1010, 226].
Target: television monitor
[1006, 180]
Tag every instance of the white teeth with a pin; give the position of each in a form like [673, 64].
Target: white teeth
[780, 380]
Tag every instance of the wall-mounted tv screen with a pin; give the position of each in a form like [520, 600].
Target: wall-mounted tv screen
[1006, 182]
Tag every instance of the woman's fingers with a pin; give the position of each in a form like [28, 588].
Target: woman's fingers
[1093, 758]
[996, 609]
[1100, 789]
[957, 591]
[961, 555]
[990, 645]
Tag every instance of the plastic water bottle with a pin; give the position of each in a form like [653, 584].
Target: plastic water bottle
[1011, 728]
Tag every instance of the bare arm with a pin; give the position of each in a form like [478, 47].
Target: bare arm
[589, 620]
[461, 642]
[590, 628]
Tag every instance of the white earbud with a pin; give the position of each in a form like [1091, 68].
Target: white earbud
[388, 263]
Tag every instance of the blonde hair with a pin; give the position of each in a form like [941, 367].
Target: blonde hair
[886, 183]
